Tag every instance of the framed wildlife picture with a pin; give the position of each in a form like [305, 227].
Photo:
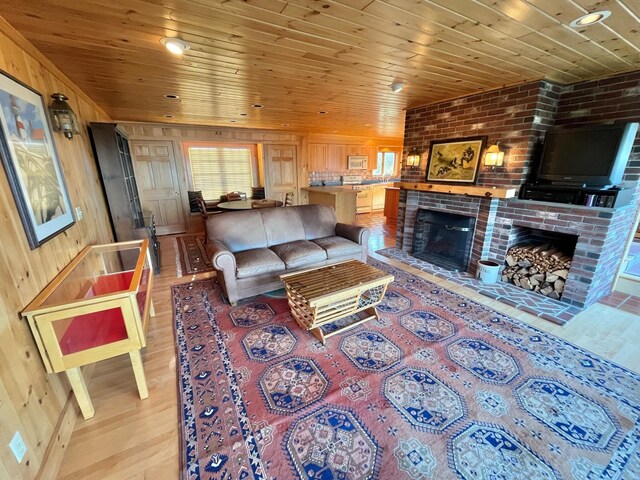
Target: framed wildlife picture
[31, 162]
[456, 160]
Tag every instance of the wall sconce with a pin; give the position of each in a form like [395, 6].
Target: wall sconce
[413, 159]
[62, 117]
[494, 157]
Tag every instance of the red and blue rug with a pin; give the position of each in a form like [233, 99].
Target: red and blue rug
[440, 387]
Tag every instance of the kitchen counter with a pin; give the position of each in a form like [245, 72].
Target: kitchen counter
[332, 190]
[341, 198]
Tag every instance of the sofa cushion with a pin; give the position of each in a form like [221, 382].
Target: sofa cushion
[319, 221]
[256, 262]
[239, 231]
[299, 253]
[282, 225]
[338, 246]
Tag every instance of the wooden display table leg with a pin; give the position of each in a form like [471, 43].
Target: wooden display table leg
[138, 371]
[80, 391]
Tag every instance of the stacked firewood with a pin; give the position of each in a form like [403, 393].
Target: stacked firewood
[541, 268]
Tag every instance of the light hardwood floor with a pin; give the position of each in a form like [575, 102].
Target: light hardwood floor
[138, 439]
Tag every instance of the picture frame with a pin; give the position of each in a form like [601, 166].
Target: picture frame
[455, 160]
[31, 163]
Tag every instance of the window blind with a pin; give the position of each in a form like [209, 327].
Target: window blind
[220, 170]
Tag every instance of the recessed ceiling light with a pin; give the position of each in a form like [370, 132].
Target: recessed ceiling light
[590, 19]
[322, 112]
[257, 105]
[396, 87]
[176, 46]
[171, 96]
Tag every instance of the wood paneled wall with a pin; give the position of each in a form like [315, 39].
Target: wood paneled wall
[191, 133]
[32, 401]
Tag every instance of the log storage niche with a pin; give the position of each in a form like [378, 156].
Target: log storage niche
[541, 268]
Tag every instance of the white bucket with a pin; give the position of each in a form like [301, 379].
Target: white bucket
[488, 271]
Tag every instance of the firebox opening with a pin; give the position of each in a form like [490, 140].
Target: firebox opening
[443, 239]
[539, 260]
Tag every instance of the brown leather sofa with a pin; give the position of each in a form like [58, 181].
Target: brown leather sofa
[250, 249]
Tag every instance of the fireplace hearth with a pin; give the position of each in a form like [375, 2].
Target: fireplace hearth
[443, 239]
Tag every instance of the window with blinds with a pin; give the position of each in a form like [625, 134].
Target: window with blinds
[220, 170]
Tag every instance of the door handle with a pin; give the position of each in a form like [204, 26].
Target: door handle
[175, 193]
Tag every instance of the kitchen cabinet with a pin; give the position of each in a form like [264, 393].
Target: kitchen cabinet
[317, 157]
[363, 201]
[342, 199]
[372, 156]
[378, 198]
[392, 198]
[336, 157]
[332, 157]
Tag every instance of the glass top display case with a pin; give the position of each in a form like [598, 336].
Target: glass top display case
[95, 308]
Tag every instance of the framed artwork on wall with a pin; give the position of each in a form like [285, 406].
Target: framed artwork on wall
[31, 162]
[455, 160]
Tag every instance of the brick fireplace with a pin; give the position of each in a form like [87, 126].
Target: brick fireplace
[598, 230]
[518, 116]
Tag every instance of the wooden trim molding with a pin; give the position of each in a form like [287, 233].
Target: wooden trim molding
[472, 191]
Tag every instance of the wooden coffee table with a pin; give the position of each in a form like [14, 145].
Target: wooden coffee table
[320, 296]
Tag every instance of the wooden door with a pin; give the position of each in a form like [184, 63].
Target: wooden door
[157, 176]
[280, 172]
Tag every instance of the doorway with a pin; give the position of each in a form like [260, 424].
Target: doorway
[158, 184]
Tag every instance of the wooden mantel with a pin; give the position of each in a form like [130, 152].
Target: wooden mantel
[469, 190]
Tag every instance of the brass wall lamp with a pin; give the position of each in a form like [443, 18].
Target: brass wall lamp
[62, 116]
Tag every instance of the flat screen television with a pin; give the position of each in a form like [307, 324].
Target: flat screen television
[594, 155]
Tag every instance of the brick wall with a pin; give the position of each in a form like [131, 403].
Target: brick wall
[518, 116]
[607, 100]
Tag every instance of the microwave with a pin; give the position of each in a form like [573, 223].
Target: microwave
[357, 162]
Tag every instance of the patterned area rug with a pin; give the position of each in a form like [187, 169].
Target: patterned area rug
[191, 255]
[441, 387]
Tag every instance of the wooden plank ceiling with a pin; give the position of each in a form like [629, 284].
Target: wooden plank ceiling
[300, 57]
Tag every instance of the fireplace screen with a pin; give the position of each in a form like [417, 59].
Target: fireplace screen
[443, 239]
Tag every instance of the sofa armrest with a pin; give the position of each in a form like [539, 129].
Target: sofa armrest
[359, 235]
[224, 261]
[221, 256]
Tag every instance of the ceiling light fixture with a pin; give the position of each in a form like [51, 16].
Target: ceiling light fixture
[257, 105]
[590, 19]
[396, 87]
[177, 46]
[171, 96]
